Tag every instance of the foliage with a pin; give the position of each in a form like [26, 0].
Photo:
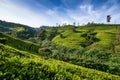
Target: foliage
[3, 40]
[97, 53]
[48, 34]
[17, 30]
[41, 35]
[91, 36]
[20, 44]
[90, 58]
[20, 65]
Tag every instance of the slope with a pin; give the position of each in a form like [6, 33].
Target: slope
[19, 44]
[21, 65]
[91, 36]
[18, 30]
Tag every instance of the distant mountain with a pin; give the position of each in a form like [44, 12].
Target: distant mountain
[17, 30]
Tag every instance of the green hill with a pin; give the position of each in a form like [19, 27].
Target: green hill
[20, 44]
[92, 46]
[101, 36]
[21, 65]
[18, 30]
[89, 46]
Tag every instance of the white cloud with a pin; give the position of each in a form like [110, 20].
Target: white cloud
[50, 12]
[13, 12]
[86, 13]
[83, 7]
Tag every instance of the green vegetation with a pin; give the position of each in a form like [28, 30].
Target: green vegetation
[3, 40]
[20, 44]
[71, 39]
[104, 37]
[95, 46]
[20, 65]
[90, 38]
[18, 29]
[48, 34]
[90, 58]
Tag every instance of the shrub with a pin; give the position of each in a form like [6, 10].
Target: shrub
[3, 40]
[45, 52]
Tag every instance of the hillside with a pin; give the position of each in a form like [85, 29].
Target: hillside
[21, 65]
[19, 44]
[102, 36]
[87, 54]
[18, 30]
[90, 58]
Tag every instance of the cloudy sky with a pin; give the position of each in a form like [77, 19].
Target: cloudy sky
[49, 12]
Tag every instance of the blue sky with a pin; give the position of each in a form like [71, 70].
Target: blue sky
[36, 13]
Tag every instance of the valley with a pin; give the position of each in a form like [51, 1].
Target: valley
[60, 53]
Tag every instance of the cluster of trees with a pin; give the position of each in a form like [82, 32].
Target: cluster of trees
[43, 34]
[90, 58]
[90, 38]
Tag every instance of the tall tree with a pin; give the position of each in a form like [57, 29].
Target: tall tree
[108, 18]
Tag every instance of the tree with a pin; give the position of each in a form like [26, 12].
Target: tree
[74, 24]
[41, 34]
[108, 18]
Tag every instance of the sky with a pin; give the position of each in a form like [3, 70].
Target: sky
[36, 13]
